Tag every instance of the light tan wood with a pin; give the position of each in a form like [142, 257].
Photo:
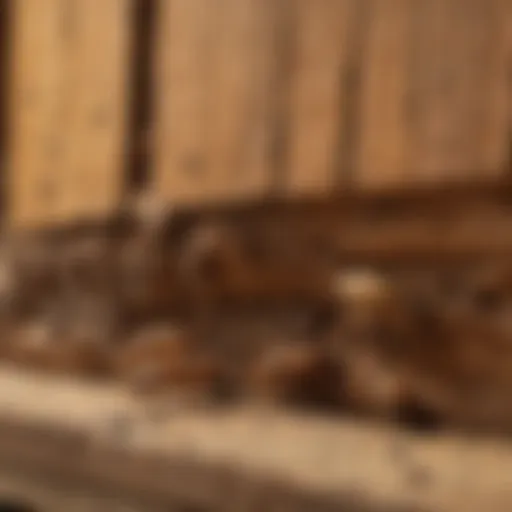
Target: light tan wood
[433, 104]
[507, 9]
[35, 151]
[318, 94]
[496, 93]
[387, 468]
[97, 102]
[238, 138]
[68, 116]
[382, 156]
[458, 81]
[188, 31]
[213, 97]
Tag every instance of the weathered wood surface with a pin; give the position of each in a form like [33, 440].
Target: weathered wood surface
[319, 94]
[35, 113]
[68, 112]
[93, 174]
[383, 158]
[330, 458]
[294, 98]
[459, 88]
[368, 94]
[213, 100]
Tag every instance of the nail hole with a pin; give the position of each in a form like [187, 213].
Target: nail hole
[47, 190]
[193, 165]
[99, 118]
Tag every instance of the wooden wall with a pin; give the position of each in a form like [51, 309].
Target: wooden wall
[4, 63]
[255, 98]
[68, 108]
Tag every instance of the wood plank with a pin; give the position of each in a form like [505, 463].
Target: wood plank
[382, 154]
[317, 94]
[4, 60]
[37, 86]
[68, 118]
[238, 138]
[213, 459]
[497, 93]
[187, 37]
[213, 97]
[459, 67]
[98, 100]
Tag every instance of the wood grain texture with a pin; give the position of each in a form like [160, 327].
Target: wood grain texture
[67, 118]
[4, 93]
[180, 459]
[97, 105]
[496, 136]
[37, 86]
[186, 39]
[318, 94]
[459, 85]
[382, 153]
[213, 94]
[433, 101]
[238, 143]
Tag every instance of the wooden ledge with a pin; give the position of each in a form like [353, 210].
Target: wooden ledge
[100, 436]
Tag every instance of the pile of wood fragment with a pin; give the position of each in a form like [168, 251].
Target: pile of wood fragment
[429, 347]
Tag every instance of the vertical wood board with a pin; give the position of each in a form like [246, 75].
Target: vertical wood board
[184, 55]
[318, 94]
[36, 89]
[459, 88]
[98, 104]
[497, 92]
[382, 152]
[214, 63]
[237, 131]
[67, 120]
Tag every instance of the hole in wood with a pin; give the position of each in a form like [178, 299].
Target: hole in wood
[193, 166]
[54, 151]
[29, 98]
[99, 118]
[47, 191]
